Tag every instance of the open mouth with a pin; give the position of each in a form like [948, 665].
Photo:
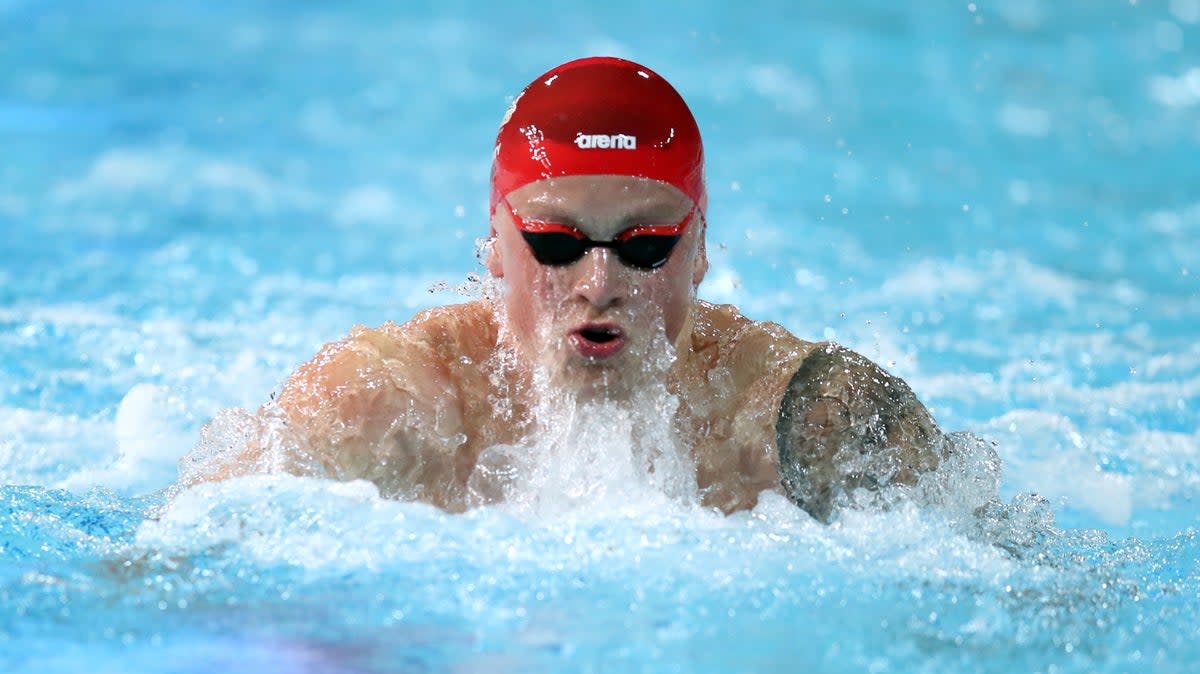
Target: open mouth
[598, 341]
[600, 335]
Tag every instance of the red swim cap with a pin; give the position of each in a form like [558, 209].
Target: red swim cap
[599, 116]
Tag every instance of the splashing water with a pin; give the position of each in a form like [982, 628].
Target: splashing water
[598, 456]
[588, 449]
[1017, 242]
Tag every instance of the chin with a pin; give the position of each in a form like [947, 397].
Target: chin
[591, 383]
[617, 378]
[565, 372]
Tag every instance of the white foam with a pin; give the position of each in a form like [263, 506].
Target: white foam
[150, 438]
[1108, 496]
[274, 518]
[329, 527]
[1048, 454]
[41, 447]
[599, 459]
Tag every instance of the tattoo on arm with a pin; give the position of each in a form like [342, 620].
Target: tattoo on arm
[846, 424]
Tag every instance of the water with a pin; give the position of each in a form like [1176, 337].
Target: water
[997, 201]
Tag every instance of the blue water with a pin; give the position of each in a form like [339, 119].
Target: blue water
[999, 202]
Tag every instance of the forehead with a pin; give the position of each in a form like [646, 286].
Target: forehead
[600, 195]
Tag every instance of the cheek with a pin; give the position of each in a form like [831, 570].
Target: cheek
[670, 291]
[676, 307]
[529, 291]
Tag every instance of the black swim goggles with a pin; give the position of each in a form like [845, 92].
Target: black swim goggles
[640, 247]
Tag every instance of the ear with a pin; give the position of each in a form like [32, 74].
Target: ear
[700, 264]
[492, 258]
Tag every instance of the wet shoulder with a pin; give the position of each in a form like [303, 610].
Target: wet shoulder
[418, 356]
[749, 349]
[453, 333]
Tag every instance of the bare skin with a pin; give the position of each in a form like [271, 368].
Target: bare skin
[411, 407]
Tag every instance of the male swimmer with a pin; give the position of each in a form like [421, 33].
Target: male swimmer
[597, 242]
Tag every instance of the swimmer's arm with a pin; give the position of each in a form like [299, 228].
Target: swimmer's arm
[845, 424]
[282, 435]
[341, 415]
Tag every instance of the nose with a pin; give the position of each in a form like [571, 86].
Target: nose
[599, 280]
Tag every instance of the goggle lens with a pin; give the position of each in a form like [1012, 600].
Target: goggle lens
[642, 247]
[645, 251]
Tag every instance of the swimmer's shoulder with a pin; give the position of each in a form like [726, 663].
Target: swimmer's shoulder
[429, 338]
[755, 348]
[416, 357]
[455, 331]
[846, 424]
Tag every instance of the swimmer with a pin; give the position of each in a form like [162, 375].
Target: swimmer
[597, 246]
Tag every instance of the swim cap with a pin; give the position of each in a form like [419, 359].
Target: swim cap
[599, 116]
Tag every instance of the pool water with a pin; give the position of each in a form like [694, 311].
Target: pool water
[999, 202]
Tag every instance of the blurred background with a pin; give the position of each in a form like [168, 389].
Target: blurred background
[999, 201]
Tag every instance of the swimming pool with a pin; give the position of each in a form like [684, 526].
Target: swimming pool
[997, 201]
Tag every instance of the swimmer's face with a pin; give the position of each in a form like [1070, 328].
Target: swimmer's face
[599, 314]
